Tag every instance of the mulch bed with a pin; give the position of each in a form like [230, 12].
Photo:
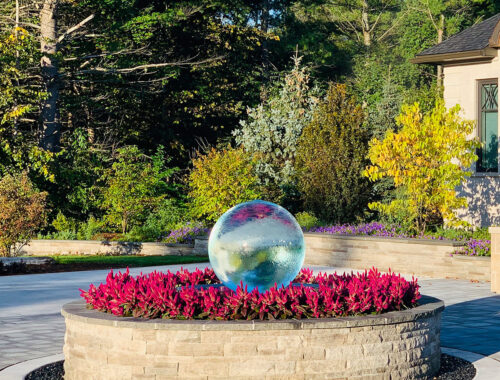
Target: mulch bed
[452, 368]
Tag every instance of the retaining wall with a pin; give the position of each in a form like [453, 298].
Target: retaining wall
[421, 257]
[396, 345]
[94, 247]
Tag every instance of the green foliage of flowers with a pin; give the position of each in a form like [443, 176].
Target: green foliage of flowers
[219, 180]
[330, 156]
[460, 233]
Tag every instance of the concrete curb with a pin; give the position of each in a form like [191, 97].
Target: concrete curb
[486, 367]
[20, 370]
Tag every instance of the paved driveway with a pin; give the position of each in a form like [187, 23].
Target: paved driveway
[31, 325]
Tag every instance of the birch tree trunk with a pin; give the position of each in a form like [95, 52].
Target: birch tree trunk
[264, 27]
[367, 38]
[440, 67]
[50, 133]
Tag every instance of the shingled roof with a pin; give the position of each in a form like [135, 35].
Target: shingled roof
[475, 43]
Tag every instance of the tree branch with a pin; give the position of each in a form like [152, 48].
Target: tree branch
[128, 70]
[74, 28]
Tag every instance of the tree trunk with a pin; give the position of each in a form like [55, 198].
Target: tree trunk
[367, 38]
[16, 33]
[51, 130]
[440, 67]
[264, 27]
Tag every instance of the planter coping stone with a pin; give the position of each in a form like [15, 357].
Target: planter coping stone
[113, 242]
[451, 243]
[77, 310]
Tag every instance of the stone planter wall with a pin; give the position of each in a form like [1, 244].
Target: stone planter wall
[495, 259]
[395, 345]
[93, 247]
[421, 257]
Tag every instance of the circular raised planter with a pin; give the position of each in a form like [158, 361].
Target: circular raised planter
[402, 344]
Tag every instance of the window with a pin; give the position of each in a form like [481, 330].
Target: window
[488, 127]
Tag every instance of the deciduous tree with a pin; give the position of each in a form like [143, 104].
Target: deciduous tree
[428, 158]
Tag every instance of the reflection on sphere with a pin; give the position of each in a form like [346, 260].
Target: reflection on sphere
[258, 243]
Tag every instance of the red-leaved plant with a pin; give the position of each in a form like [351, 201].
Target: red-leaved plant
[175, 296]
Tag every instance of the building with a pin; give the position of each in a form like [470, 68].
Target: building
[471, 72]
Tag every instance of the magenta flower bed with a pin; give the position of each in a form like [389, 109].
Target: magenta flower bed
[174, 296]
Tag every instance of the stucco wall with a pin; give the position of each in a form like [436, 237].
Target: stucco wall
[481, 190]
[396, 345]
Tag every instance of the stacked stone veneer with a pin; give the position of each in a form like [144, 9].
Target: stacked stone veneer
[95, 247]
[396, 345]
[421, 257]
[495, 259]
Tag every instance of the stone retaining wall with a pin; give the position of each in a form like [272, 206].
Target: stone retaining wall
[495, 259]
[94, 247]
[421, 257]
[394, 345]
[7, 261]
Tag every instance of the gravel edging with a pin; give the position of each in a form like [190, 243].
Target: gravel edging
[452, 368]
[486, 367]
[20, 370]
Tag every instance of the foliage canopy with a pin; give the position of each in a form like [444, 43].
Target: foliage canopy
[428, 158]
[330, 156]
[22, 212]
[221, 179]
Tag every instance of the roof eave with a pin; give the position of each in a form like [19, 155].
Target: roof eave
[485, 54]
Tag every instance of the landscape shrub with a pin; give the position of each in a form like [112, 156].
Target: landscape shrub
[22, 212]
[175, 296]
[136, 185]
[427, 159]
[219, 180]
[330, 157]
[307, 220]
[89, 229]
[167, 216]
[273, 128]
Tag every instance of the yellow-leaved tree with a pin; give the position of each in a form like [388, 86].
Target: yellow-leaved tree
[219, 180]
[427, 159]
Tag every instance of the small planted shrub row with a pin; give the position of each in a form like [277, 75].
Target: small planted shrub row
[176, 296]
